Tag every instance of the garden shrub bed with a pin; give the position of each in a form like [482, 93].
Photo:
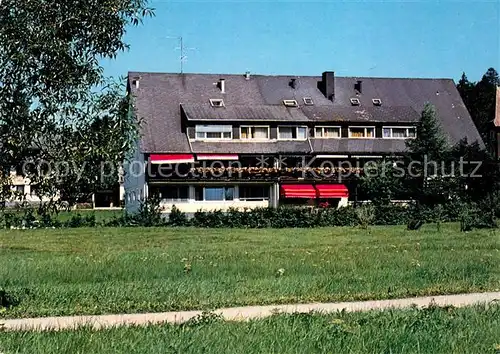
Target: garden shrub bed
[150, 215]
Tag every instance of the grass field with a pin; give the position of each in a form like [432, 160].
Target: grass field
[433, 330]
[106, 270]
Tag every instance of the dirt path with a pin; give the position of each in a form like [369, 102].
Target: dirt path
[239, 313]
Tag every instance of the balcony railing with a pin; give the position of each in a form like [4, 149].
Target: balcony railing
[245, 173]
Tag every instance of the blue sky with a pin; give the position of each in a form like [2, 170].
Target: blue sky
[362, 38]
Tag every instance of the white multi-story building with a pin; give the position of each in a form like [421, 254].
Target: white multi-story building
[221, 141]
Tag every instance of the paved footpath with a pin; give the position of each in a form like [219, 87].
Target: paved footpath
[240, 313]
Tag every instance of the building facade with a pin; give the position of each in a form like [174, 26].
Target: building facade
[23, 191]
[243, 141]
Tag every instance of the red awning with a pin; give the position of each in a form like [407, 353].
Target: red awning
[158, 159]
[327, 191]
[298, 191]
[217, 157]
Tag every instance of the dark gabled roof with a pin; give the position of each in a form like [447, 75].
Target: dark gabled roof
[330, 146]
[359, 146]
[274, 147]
[280, 113]
[362, 114]
[160, 96]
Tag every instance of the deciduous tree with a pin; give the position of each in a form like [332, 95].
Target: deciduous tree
[55, 103]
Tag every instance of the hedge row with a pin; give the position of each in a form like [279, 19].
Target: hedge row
[285, 217]
[30, 220]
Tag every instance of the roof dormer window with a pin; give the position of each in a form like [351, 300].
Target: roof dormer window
[290, 103]
[355, 101]
[308, 101]
[377, 102]
[217, 102]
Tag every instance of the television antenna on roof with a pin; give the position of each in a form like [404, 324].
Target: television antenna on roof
[183, 57]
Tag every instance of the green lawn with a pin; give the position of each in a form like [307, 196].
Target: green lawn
[433, 330]
[106, 270]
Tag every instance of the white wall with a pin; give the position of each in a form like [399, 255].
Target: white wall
[25, 184]
[343, 202]
[135, 181]
[194, 206]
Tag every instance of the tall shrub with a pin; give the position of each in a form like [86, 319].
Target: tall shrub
[426, 156]
[177, 218]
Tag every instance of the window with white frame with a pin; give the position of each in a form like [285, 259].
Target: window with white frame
[216, 132]
[217, 102]
[211, 194]
[308, 101]
[327, 132]
[355, 101]
[361, 132]
[399, 132]
[254, 132]
[290, 103]
[292, 133]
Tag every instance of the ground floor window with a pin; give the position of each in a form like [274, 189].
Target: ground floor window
[171, 193]
[214, 193]
[251, 192]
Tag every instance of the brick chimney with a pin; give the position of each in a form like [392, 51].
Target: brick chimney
[328, 85]
[358, 86]
[222, 85]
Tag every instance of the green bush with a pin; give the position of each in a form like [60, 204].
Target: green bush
[366, 215]
[284, 217]
[467, 214]
[257, 218]
[476, 216]
[205, 219]
[336, 217]
[80, 221]
[149, 213]
[391, 215]
[177, 218]
[289, 217]
[471, 215]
